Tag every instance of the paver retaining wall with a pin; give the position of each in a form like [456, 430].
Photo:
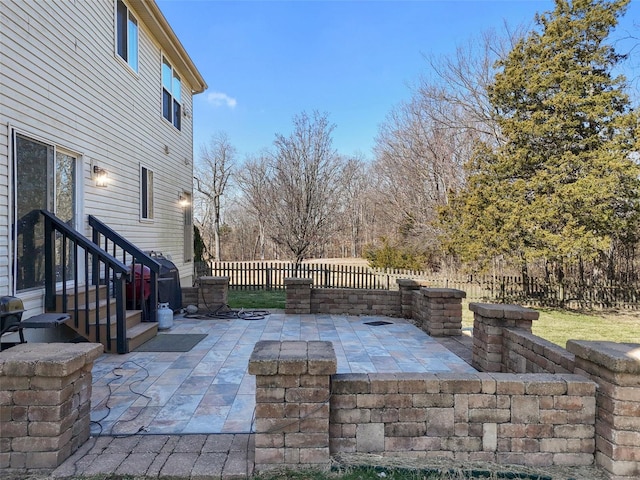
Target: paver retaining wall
[438, 311]
[354, 301]
[524, 352]
[305, 412]
[582, 405]
[536, 420]
[45, 402]
[536, 403]
[503, 342]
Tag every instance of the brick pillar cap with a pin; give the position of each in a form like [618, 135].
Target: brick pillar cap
[297, 281]
[271, 357]
[443, 293]
[510, 312]
[214, 280]
[617, 357]
[47, 359]
[408, 282]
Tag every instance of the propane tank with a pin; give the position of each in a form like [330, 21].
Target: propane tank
[165, 316]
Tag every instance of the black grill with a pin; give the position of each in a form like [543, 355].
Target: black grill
[11, 310]
[169, 290]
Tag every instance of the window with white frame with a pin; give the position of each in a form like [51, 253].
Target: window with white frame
[171, 99]
[126, 35]
[146, 193]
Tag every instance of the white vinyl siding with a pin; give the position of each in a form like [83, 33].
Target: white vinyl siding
[61, 82]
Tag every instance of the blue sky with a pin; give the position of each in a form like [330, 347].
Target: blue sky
[266, 61]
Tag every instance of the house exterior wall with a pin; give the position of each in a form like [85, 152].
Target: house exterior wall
[62, 82]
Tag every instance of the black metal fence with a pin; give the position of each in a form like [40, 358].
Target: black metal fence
[530, 291]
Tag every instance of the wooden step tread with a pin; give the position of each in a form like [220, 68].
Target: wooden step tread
[140, 334]
[140, 328]
[103, 321]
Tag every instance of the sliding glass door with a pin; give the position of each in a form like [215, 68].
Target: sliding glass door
[44, 178]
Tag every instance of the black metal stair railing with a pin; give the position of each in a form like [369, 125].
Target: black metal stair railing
[129, 254]
[69, 257]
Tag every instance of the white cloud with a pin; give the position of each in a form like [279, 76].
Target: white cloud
[219, 99]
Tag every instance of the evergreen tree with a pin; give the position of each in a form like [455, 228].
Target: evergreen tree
[563, 184]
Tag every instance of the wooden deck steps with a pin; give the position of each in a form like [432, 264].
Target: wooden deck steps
[99, 329]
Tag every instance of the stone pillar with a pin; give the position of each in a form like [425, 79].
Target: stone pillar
[488, 322]
[190, 296]
[292, 403]
[45, 401]
[407, 287]
[298, 295]
[615, 367]
[443, 316]
[213, 292]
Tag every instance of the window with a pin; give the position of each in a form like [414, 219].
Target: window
[126, 35]
[146, 193]
[171, 86]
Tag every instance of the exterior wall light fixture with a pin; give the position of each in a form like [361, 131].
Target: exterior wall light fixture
[101, 176]
[183, 201]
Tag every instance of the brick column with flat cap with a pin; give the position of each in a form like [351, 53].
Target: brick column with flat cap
[615, 367]
[489, 320]
[443, 311]
[292, 403]
[213, 292]
[407, 288]
[45, 400]
[298, 295]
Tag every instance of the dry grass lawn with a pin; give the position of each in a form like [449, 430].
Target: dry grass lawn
[558, 326]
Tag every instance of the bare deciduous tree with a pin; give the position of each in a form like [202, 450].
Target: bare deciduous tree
[356, 185]
[455, 94]
[425, 142]
[254, 182]
[304, 178]
[212, 176]
[418, 162]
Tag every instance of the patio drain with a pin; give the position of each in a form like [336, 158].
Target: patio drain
[377, 323]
